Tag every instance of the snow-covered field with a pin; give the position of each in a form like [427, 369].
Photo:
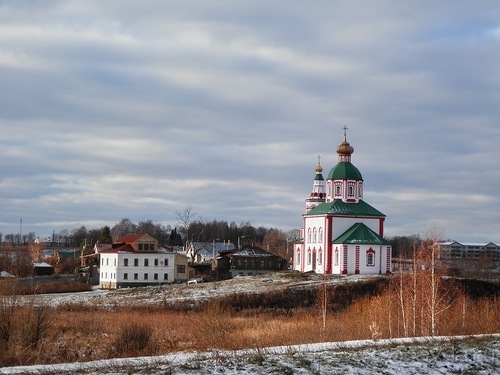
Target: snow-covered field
[443, 355]
[193, 293]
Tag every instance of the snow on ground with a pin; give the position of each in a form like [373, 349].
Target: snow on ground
[440, 355]
[193, 293]
[448, 355]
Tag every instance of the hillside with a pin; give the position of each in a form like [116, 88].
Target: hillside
[195, 294]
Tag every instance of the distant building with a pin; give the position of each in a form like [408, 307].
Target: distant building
[451, 250]
[42, 268]
[138, 260]
[250, 260]
[341, 233]
[206, 252]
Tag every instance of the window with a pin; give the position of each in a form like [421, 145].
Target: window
[336, 257]
[320, 257]
[370, 257]
[125, 276]
[156, 261]
[155, 276]
[107, 261]
[165, 276]
[136, 262]
[298, 256]
[166, 262]
[337, 190]
[181, 268]
[136, 276]
[315, 235]
[262, 264]
[102, 262]
[320, 234]
[125, 262]
[309, 233]
[114, 262]
[146, 262]
[351, 190]
[309, 257]
[145, 276]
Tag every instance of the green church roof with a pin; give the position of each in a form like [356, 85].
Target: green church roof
[360, 234]
[341, 208]
[345, 171]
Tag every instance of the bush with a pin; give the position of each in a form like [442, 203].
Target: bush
[134, 338]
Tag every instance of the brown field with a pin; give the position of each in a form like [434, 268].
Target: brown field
[83, 332]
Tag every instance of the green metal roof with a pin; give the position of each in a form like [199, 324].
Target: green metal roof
[344, 171]
[341, 208]
[359, 233]
[319, 176]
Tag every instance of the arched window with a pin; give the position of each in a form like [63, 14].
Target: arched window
[309, 257]
[337, 190]
[336, 258]
[320, 234]
[315, 235]
[320, 257]
[370, 257]
[298, 257]
[309, 235]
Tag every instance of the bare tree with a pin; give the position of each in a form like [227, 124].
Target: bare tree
[275, 241]
[185, 219]
[124, 227]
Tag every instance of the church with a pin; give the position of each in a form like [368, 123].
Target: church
[341, 233]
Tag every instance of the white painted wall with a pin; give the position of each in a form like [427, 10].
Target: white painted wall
[114, 272]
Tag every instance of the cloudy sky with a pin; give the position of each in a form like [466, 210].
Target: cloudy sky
[138, 109]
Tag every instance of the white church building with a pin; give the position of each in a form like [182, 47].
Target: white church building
[341, 233]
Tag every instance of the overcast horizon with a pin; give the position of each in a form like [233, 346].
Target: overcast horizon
[128, 109]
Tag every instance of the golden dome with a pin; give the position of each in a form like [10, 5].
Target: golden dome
[345, 148]
[319, 169]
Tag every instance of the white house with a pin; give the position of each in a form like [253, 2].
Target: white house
[341, 233]
[138, 260]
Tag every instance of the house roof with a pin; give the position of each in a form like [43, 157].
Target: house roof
[5, 274]
[43, 265]
[119, 248]
[360, 234]
[341, 208]
[252, 251]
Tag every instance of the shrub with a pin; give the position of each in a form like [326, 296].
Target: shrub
[134, 338]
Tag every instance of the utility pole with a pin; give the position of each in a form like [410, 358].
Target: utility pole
[20, 230]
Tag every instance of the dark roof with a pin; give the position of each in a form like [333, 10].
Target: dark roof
[360, 234]
[341, 208]
[119, 247]
[252, 251]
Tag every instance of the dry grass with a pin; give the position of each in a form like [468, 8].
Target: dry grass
[83, 332]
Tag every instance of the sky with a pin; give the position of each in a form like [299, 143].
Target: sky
[139, 109]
